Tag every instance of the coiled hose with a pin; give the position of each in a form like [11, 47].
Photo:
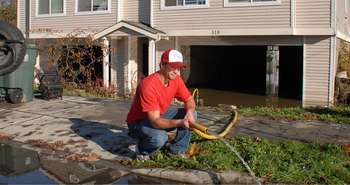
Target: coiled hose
[202, 130]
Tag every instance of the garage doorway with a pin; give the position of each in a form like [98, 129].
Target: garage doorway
[237, 74]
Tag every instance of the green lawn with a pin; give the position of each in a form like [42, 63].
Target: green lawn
[282, 161]
[337, 114]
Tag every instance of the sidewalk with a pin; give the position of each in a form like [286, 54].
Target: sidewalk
[86, 125]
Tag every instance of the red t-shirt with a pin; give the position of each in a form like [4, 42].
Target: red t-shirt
[152, 95]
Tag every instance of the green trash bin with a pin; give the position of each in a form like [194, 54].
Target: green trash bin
[21, 80]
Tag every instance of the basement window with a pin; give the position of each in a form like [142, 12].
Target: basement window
[228, 3]
[50, 8]
[183, 4]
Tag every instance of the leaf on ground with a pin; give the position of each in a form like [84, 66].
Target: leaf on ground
[347, 148]
[4, 136]
[193, 149]
[265, 178]
[40, 143]
[92, 157]
[59, 143]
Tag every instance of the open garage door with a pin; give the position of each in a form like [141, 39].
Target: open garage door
[231, 68]
[237, 74]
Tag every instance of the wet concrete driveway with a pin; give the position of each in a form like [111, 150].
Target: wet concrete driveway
[80, 125]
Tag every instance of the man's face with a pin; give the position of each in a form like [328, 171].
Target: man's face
[171, 72]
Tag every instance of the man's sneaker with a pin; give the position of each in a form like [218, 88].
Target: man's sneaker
[141, 157]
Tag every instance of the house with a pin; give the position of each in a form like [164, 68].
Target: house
[284, 48]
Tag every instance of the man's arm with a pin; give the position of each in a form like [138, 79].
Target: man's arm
[159, 122]
[189, 106]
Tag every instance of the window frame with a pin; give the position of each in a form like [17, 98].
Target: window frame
[163, 7]
[92, 12]
[49, 14]
[251, 3]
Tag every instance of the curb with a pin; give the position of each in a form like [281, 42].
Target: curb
[196, 176]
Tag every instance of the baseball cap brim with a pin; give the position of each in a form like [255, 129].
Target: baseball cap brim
[177, 65]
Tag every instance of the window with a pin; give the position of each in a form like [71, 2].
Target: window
[50, 7]
[93, 6]
[251, 2]
[179, 4]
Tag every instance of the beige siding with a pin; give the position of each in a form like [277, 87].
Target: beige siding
[22, 23]
[343, 23]
[136, 10]
[70, 22]
[161, 46]
[219, 17]
[242, 40]
[130, 10]
[313, 13]
[316, 70]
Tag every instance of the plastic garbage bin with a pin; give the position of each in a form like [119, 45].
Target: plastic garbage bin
[18, 85]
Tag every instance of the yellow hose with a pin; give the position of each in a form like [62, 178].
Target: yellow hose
[202, 131]
[196, 93]
[199, 127]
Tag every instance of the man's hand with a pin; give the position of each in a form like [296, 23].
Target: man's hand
[189, 118]
[186, 123]
[189, 106]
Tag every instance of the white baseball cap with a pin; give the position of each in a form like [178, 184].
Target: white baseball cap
[173, 58]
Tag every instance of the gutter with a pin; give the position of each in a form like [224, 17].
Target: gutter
[333, 54]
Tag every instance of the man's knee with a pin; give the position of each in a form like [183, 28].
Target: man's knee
[158, 140]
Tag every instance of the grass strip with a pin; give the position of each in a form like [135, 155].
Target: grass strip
[273, 161]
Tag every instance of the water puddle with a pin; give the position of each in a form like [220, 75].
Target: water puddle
[212, 97]
[22, 166]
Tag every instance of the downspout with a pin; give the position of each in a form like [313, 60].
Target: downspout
[292, 16]
[17, 13]
[119, 9]
[152, 46]
[333, 54]
[106, 62]
[151, 13]
[304, 58]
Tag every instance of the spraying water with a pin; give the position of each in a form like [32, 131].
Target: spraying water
[242, 160]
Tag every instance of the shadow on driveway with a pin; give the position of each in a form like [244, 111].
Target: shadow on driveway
[111, 138]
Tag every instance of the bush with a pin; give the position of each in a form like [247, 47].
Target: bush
[344, 57]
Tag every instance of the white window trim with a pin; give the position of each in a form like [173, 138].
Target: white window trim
[346, 6]
[50, 14]
[251, 3]
[109, 9]
[163, 7]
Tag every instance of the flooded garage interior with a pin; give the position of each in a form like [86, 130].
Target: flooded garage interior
[237, 75]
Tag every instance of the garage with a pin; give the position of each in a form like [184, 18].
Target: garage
[237, 74]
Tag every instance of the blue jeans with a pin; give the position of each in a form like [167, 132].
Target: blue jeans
[151, 139]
